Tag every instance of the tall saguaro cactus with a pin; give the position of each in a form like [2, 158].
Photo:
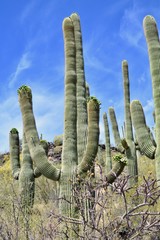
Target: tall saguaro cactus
[81, 88]
[146, 142]
[129, 144]
[152, 38]
[77, 155]
[70, 166]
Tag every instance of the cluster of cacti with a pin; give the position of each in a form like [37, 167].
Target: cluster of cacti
[111, 173]
[144, 138]
[126, 145]
[75, 159]
[81, 126]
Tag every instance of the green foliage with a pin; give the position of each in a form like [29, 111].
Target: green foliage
[92, 98]
[24, 88]
[14, 131]
[58, 140]
[119, 158]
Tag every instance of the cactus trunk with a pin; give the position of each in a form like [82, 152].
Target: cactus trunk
[131, 149]
[152, 38]
[69, 152]
[108, 162]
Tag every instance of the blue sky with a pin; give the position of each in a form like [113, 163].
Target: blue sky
[32, 53]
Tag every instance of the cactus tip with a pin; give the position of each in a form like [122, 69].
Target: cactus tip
[14, 131]
[75, 16]
[148, 20]
[124, 63]
[92, 98]
[67, 23]
[25, 90]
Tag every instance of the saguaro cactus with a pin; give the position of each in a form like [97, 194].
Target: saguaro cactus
[108, 162]
[75, 118]
[144, 139]
[128, 142]
[115, 130]
[149, 148]
[14, 152]
[23, 173]
[146, 143]
[152, 38]
[81, 88]
[120, 162]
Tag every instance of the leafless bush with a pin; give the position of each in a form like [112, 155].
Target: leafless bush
[137, 218]
[105, 212]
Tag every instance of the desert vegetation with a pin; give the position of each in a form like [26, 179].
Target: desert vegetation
[91, 192]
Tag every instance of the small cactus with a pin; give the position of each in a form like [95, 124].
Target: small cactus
[23, 173]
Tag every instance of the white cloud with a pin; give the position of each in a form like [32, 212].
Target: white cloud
[142, 78]
[149, 105]
[131, 27]
[92, 58]
[49, 114]
[48, 110]
[102, 134]
[24, 63]
[10, 118]
[27, 11]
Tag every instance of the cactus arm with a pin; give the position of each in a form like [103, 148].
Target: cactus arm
[26, 177]
[124, 143]
[108, 162]
[37, 152]
[142, 134]
[93, 137]
[152, 39]
[14, 152]
[81, 89]
[44, 144]
[115, 130]
[69, 153]
[116, 170]
[37, 173]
